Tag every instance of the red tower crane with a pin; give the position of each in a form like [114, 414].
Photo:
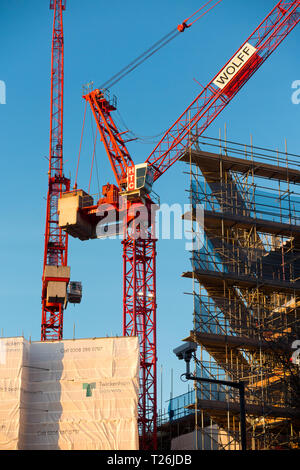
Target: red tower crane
[56, 274]
[132, 195]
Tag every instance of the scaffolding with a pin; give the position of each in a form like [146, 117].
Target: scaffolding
[246, 290]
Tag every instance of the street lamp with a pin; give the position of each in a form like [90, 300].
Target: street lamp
[186, 352]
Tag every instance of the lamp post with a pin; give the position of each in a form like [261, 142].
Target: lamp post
[185, 352]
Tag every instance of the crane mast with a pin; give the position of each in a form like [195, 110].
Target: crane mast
[55, 271]
[139, 271]
[139, 240]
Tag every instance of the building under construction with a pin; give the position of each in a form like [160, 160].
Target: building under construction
[246, 295]
[246, 284]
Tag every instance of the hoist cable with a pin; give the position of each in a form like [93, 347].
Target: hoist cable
[139, 60]
[92, 164]
[206, 4]
[156, 46]
[94, 157]
[75, 184]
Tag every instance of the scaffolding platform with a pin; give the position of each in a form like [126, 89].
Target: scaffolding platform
[215, 221]
[246, 287]
[214, 278]
[225, 342]
[211, 162]
[254, 410]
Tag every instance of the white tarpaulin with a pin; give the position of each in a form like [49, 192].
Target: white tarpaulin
[13, 355]
[78, 394]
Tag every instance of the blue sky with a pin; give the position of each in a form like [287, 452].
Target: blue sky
[100, 38]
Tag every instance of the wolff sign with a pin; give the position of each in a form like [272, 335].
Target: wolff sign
[234, 66]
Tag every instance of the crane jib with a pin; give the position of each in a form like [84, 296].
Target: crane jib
[225, 85]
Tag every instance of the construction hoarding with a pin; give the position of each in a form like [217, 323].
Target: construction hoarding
[73, 394]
